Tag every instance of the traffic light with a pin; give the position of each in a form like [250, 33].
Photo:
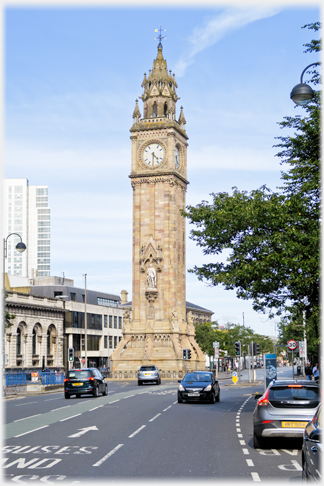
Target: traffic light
[256, 349]
[71, 354]
[189, 353]
[184, 354]
[238, 348]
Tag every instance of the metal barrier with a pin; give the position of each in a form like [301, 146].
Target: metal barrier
[25, 377]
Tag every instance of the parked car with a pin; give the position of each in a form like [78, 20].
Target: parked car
[199, 386]
[284, 410]
[148, 374]
[86, 381]
[312, 447]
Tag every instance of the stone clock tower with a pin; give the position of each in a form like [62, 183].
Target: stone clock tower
[159, 328]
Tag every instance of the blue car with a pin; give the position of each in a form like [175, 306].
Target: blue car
[198, 386]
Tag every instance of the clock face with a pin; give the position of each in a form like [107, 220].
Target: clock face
[153, 154]
[177, 158]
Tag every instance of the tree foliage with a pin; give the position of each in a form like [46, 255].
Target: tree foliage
[273, 237]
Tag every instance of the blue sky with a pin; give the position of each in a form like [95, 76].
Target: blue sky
[71, 77]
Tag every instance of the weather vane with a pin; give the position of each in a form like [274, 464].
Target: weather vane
[160, 35]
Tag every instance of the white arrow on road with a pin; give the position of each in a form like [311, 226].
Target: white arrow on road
[84, 431]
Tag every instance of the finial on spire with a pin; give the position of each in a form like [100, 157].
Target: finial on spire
[160, 35]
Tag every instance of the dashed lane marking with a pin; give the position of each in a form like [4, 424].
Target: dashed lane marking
[25, 418]
[249, 462]
[30, 431]
[255, 476]
[136, 431]
[156, 416]
[107, 455]
[68, 418]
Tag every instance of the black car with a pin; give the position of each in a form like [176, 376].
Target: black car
[284, 410]
[199, 386]
[312, 448]
[86, 381]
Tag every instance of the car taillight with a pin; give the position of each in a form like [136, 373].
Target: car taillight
[295, 386]
[264, 400]
[66, 379]
[267, 421]
[91, 378]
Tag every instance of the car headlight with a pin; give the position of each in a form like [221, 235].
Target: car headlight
[181, 388]
[208, 388]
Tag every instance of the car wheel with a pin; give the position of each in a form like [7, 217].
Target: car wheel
[105, 392]
[78, 395]
[212, 399]
[304, 471]
[179, 400]
[139, 383]
[67, 396]
[218, 396]
[96, 392]
[258, 442]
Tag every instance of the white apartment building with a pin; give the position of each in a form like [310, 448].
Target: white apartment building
[26, 212]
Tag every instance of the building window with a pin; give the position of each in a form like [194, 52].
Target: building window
[115, 322]
[72, 295]
[120, 322]
[107, 302]
[18, 342]
[115, 341]
[110, 342]
[106, 321]
[110, 322]
[106, 341]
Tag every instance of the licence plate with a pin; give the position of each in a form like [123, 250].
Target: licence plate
[297, 425]
[147, 374]
[77, 384]
[193, 394]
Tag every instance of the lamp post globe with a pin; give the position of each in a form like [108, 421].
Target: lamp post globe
[20, 247]
[301, 94]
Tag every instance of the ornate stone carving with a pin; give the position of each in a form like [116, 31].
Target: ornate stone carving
[151, 253]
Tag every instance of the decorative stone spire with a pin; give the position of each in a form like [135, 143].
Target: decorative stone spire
[159, 95]
[137, 113]
[182, 120]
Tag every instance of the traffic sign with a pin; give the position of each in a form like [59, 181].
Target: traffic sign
[215, 344]
[234, 377]
[216, 353]
[302, 349]
[292, 345]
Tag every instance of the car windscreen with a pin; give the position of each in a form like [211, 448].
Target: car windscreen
[198, 377]
[294, 396]
[147, 368]
[80, 374]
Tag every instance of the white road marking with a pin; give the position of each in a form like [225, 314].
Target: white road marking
[54, 410]
[249, 462]
[95, 408]
[70, 417]
[167, 408]
[242, 442]
[136, 431]
[25, 418]
[129, 396]
[245, 451]
[175, 402]
[240, 436]
[255, 476]
[238, 430]
[49, 399]
[21, 404]
[108, 455]
[113, 402]
[156, 416]
[30, 431]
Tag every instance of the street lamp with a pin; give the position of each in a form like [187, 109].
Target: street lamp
[85, 320]
[302, 93]
[20, 247]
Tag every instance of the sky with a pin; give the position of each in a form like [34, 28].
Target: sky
[71, 75]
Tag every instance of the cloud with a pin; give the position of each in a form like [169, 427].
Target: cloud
[216, 28]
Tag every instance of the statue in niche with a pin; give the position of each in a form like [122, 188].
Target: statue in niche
[151, 277]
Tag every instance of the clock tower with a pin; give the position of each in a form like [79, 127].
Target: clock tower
[159, 328]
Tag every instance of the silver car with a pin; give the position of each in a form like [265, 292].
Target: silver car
[284, 410]
[148, 374]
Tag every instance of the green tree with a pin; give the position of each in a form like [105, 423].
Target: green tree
[273, 237]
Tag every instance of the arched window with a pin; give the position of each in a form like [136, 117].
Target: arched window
[165, 108]
[48, 342]
[154, 109]
[18, 341]
[34, 342]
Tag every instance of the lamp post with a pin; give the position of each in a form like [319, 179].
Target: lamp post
[20, 247]
[302, 93]
[85, 321]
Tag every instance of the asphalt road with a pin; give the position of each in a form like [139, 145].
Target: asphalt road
[140, 433]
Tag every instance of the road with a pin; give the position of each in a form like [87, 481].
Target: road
[140, 432]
